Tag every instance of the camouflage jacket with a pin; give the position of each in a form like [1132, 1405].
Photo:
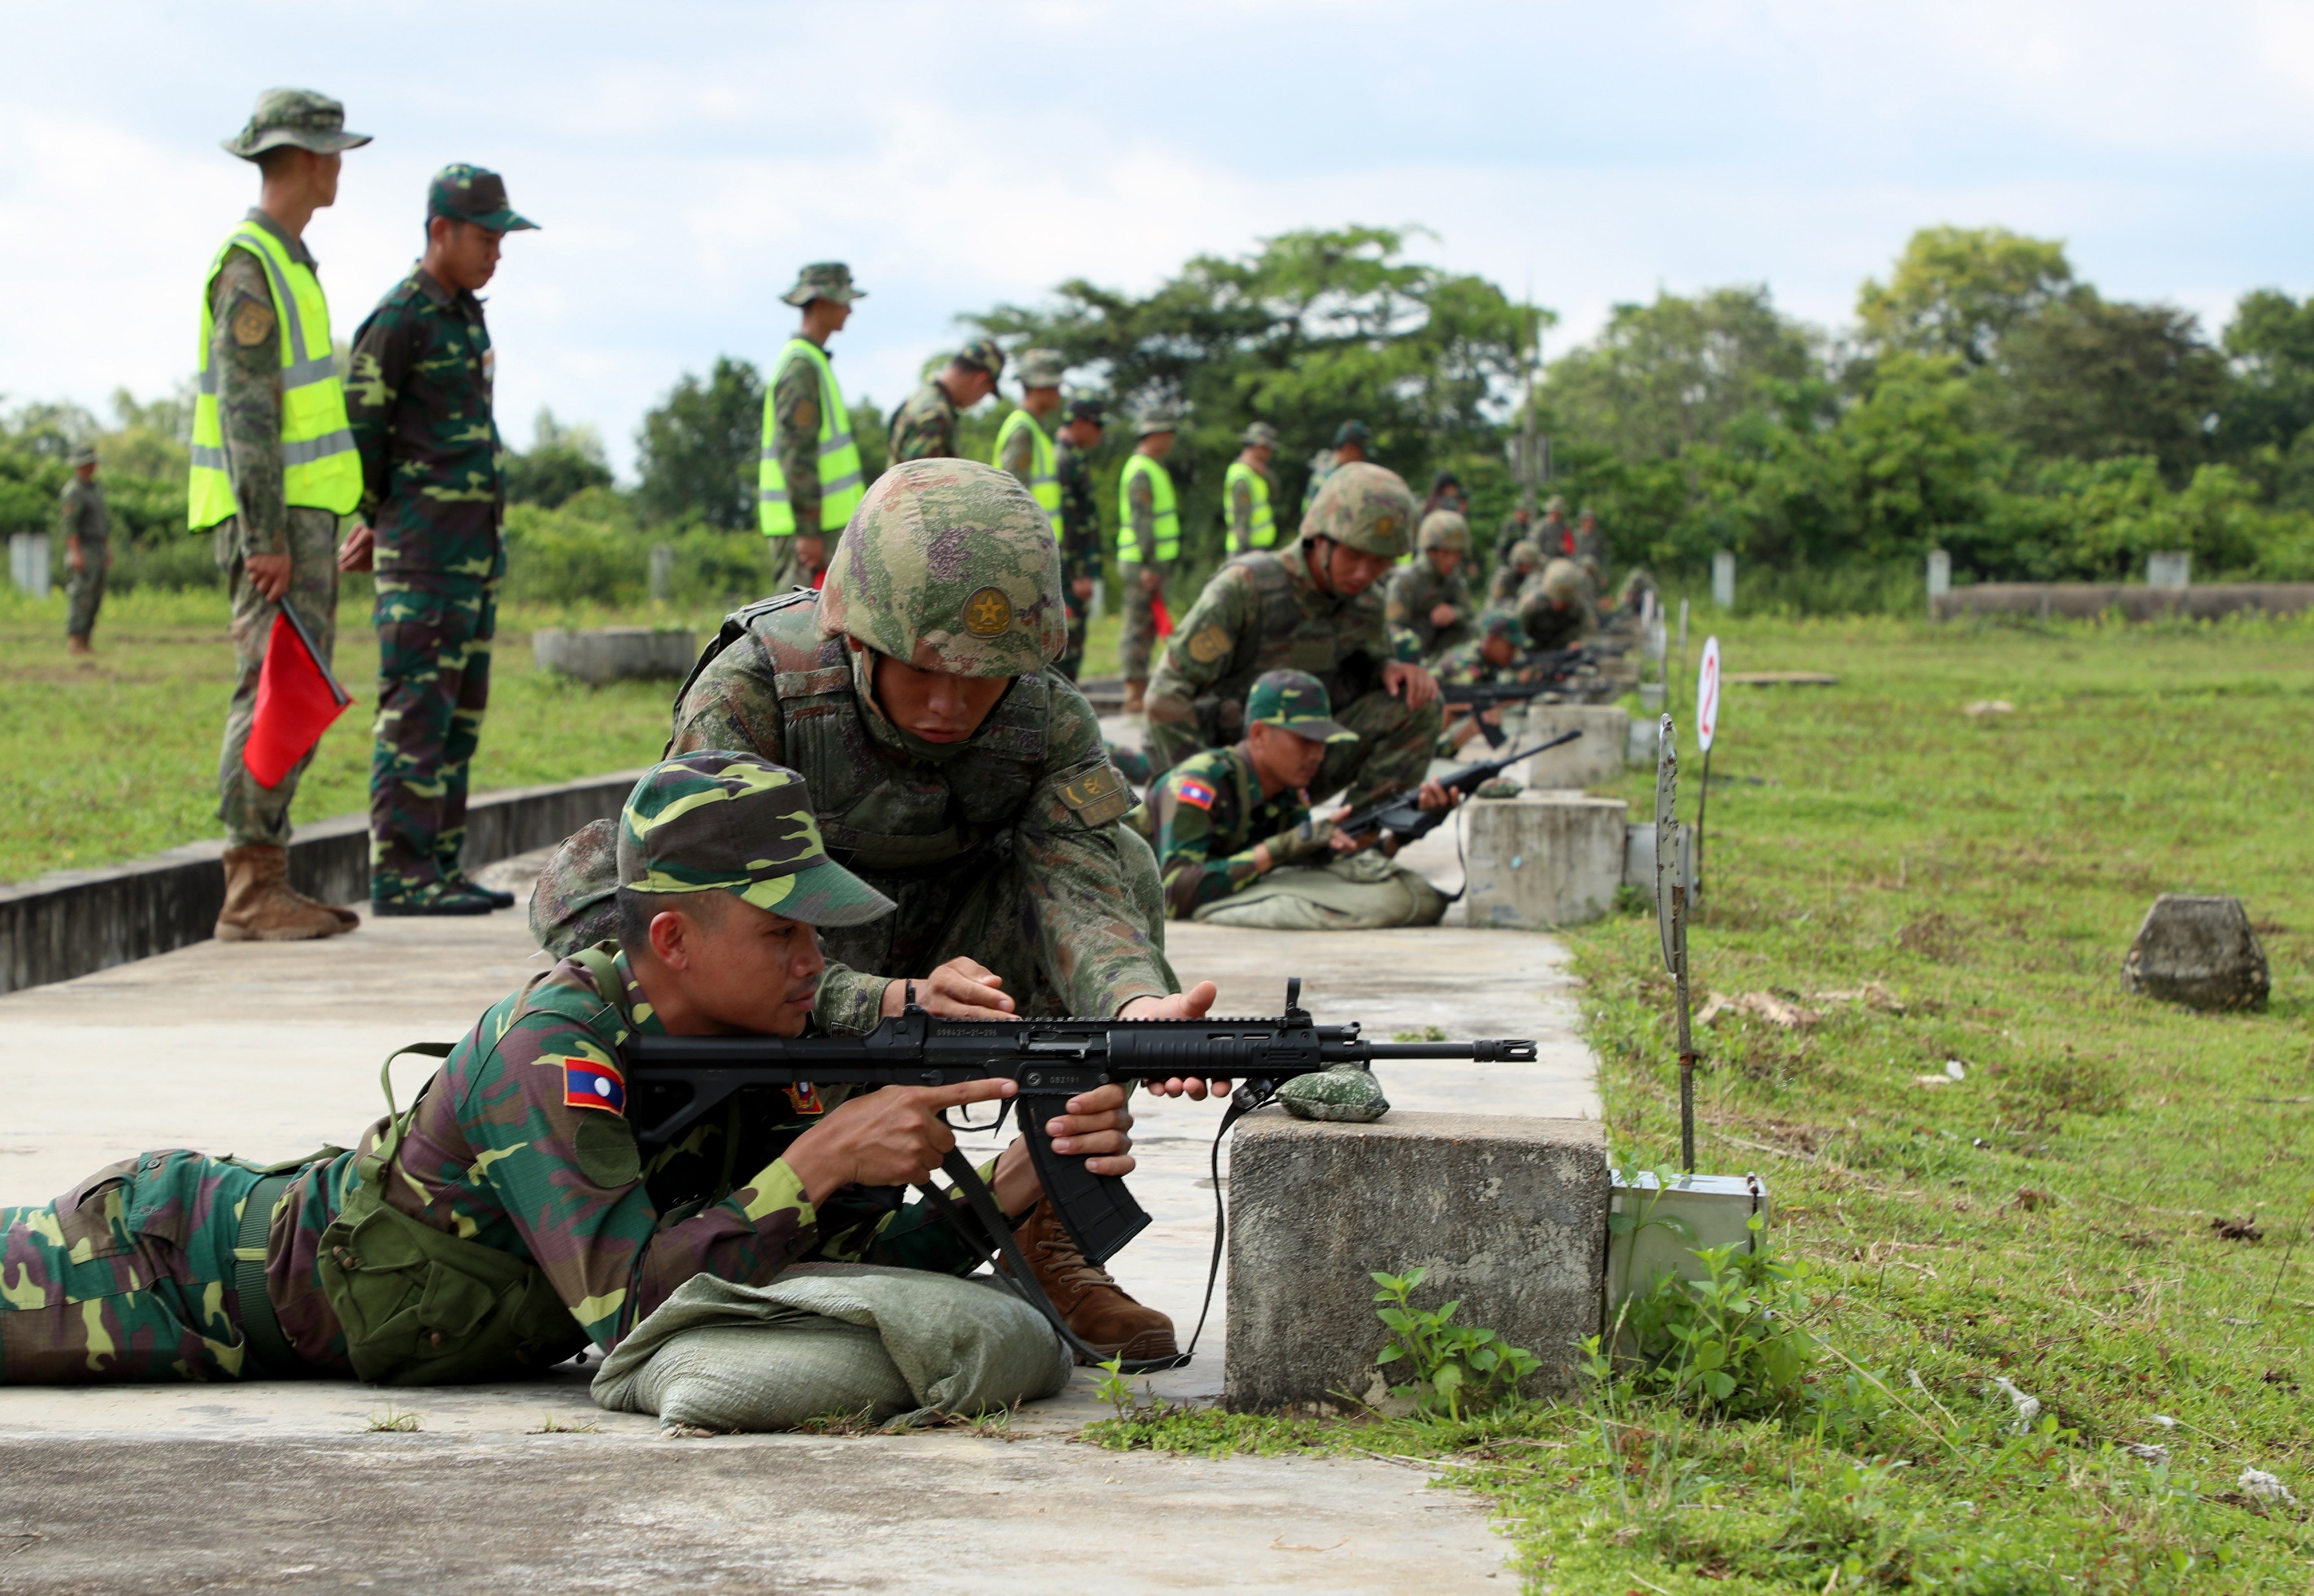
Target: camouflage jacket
[248, 377]
[80, 513]
[925, 428]
[1081, 545]
[419, 404]
[1463, 665]
[1416, 589]
[1550, 627]
[1209, 817]
[510, 1144]
[1265, 611]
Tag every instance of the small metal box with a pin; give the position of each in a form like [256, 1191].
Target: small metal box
[1716, 1208]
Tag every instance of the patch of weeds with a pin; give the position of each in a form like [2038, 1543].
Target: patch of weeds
[391, 1419]
[1210, 1432]
[1457, 1369]
[551, 1425]
[861, 1422]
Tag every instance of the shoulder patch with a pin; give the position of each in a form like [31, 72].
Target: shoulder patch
[607, 1153]
[806, 416]
[1210, 643]
[1098, 796]
[251, 323]
[1194, 792]
[588, 1084]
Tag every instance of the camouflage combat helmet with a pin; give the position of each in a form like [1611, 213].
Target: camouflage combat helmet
[1504, 625]
[1363, 506]
[949, 565]
[1555, 505]
[735, 822]
[1562, 582]
[82, 455]
[1526, 554]
[1260, 434]
[1444, 529]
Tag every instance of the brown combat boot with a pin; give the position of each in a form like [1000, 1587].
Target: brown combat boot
[1089, 1298]
[346, 918]
[1135, 695]
[77, 644]
[259, 907]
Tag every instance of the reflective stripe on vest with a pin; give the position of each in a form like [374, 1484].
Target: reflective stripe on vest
[841, 484]
[319, 467]
[1264, 521]
[1167, 527]
[1043, 476]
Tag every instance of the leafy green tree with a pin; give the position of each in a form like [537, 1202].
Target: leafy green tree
[562, 460]
[2089, 378]
[1959, 291]
[2269, 407]
[698, 450]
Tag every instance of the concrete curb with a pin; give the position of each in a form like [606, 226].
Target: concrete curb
[2204, 601]
[71, 922]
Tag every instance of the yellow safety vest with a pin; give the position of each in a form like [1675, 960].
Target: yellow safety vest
[841, 484]
[1168, 528]
[1043, 475]
[319, 467]
[1264, 521]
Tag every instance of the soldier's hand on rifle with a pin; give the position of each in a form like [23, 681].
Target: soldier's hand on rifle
[1191, 1004]
[1432, 795]
[1411, 683]
[1342, 843]
[1096, 1126]
[892, 1136]
[960, 989]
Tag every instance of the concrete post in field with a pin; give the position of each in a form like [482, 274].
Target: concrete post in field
[1940, 579]
[27, 562]
[2169, 568]
[1723, 579]
[662, 571]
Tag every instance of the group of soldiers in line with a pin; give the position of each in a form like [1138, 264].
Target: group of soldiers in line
[877, 790]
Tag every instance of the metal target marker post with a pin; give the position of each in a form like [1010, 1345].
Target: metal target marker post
[1671, 922]
[1707, 728]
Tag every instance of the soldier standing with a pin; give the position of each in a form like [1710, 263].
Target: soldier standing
[1552, 537]
[86, 532]
[1081, 552]
[810, 480]
[273, 467]
[925, 428]
[1148, 541]
[1028, 450]
[1250, 492]
[1429, 598]
[1350, 441]
[433, 505]
[1313, 606]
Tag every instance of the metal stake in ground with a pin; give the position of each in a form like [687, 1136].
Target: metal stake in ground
[1671, 921]
[1707, 728]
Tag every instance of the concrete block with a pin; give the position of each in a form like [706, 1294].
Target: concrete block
[1595, 758]
[1507, 1215]
[27, 562]
[2198, 951]
[1543, 858]
[614, 653]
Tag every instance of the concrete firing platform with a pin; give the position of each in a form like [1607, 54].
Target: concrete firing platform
[269, 1051]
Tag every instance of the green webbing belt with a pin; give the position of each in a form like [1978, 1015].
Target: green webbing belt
[260, 1330]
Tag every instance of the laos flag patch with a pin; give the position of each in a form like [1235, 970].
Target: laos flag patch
[1194, 792]
[587, 1084]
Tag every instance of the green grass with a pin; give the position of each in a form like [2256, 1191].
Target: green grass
[2049, 1220]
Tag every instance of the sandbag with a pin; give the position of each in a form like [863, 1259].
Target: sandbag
[1364, 892]
[893, 1345]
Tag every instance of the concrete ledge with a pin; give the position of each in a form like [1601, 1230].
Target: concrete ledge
[1599, 755]
[614, 653]
[72, 922]
[1507, 1215]
[2135, 601]
[1544, 858]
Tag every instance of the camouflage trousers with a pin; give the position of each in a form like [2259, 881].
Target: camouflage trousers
[251, 813]
[84, 590]
[1072, 660]
[127, 1276]
[433, 685]
[1136, 643]
[1392, 755]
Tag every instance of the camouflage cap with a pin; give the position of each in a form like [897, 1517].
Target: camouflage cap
[82, 455]
[1363, 506]
[1088, 410]
[1155, 419]
[1295, 701]
[735, 822]
[1562, 582]
[298, 117]
[982, 353]
[949, 565]
[1352, 432]
[1504, 625]
[1040, 369]
[823, 279]
[1261, 435]
[1444, 529]
[474, 194]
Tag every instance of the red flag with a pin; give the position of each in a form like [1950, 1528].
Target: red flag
[297, 700]
[1165, 616]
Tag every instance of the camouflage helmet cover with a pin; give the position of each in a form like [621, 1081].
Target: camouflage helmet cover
[1444, 529]
[1562, 582]
[949, 565]
[1526, 554]
[1363, 506]
[722, 822]
[1260, 434]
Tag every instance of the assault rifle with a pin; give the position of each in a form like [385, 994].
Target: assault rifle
[1405, 819]
[674, 1081]
[1479, 697]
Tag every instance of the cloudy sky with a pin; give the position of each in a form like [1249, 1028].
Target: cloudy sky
[685, 158]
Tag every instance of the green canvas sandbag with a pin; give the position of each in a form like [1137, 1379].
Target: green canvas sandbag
[1364, 892]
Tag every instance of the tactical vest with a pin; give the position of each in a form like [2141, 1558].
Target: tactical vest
[319, 467]
[842, 486]
[1166, 526]
[1285, 636]
[1264, 529]
[1044, 480]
